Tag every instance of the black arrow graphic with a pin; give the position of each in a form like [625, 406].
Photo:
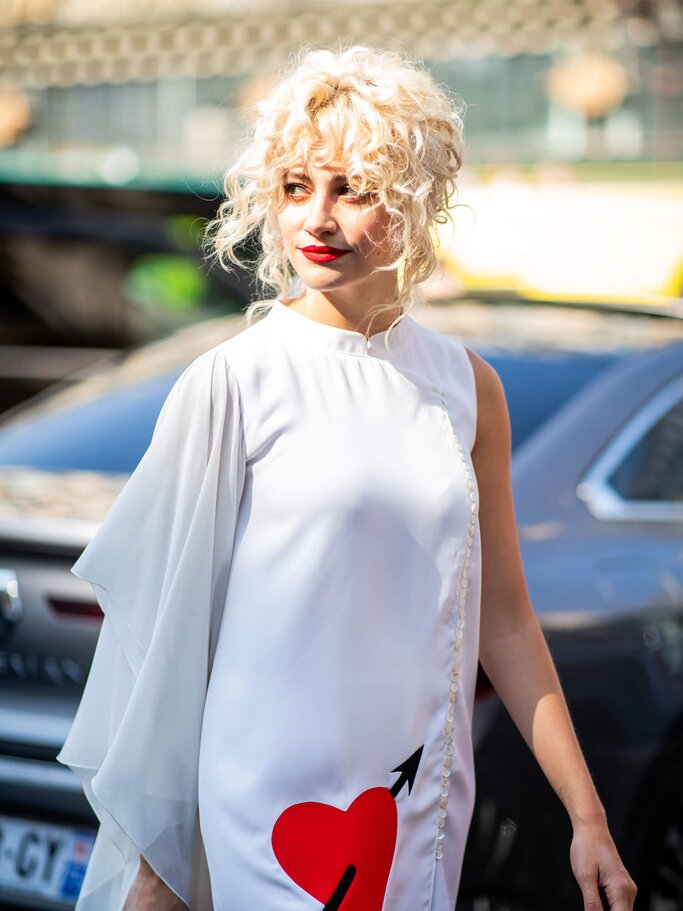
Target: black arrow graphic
[408, 770]
[339, 893]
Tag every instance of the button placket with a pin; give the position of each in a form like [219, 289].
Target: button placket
[459, 628]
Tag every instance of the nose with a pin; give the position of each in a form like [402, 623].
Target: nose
[319, 217]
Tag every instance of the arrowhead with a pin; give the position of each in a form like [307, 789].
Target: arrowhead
[408, 770]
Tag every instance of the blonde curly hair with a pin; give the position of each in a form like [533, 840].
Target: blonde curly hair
[398, 133]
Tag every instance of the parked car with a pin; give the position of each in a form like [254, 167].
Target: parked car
[595, 404]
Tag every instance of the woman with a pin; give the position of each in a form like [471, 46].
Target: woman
[318, 546]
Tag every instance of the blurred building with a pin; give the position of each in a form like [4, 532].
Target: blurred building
[118, 119]
[153, 91]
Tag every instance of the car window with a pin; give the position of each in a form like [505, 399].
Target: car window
[653, 468]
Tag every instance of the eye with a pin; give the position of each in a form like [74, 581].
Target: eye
[291, 191]
[352, 196]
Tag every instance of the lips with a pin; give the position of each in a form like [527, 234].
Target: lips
[321, 253]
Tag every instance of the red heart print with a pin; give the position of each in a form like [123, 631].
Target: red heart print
[315, 843]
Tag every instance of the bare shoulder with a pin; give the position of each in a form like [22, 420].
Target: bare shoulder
[486, 376]
[493, 421]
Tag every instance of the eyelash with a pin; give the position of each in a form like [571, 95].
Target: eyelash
[289, 187]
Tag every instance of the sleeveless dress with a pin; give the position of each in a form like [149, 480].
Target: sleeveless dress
[279, 711]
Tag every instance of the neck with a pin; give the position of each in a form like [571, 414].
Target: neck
[351, 308]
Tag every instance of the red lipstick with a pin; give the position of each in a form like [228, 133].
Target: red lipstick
[321, 253]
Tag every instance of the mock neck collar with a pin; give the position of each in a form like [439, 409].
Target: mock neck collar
[315, 334]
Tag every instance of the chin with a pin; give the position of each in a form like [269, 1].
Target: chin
[324, 282]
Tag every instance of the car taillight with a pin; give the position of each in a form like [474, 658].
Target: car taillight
[76, 608]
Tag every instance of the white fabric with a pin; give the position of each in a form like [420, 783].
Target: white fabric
[303, 509]
[158, 565]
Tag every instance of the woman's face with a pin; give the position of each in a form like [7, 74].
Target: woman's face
[333, 237]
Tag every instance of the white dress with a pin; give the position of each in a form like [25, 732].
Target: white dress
[284, 683]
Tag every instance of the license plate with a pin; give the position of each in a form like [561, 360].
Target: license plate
[43, 860]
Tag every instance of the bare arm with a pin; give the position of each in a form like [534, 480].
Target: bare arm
[150, 893]
[516, 658]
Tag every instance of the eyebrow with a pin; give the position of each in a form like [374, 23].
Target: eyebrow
[299, 175]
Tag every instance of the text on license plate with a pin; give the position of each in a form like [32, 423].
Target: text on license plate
[43, 859]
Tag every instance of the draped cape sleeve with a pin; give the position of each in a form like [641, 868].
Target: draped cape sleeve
[158, 565]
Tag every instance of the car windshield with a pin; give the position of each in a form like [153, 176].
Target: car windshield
[108, 433]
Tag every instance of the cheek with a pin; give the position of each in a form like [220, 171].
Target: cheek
[287, 224]
[375, 228]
